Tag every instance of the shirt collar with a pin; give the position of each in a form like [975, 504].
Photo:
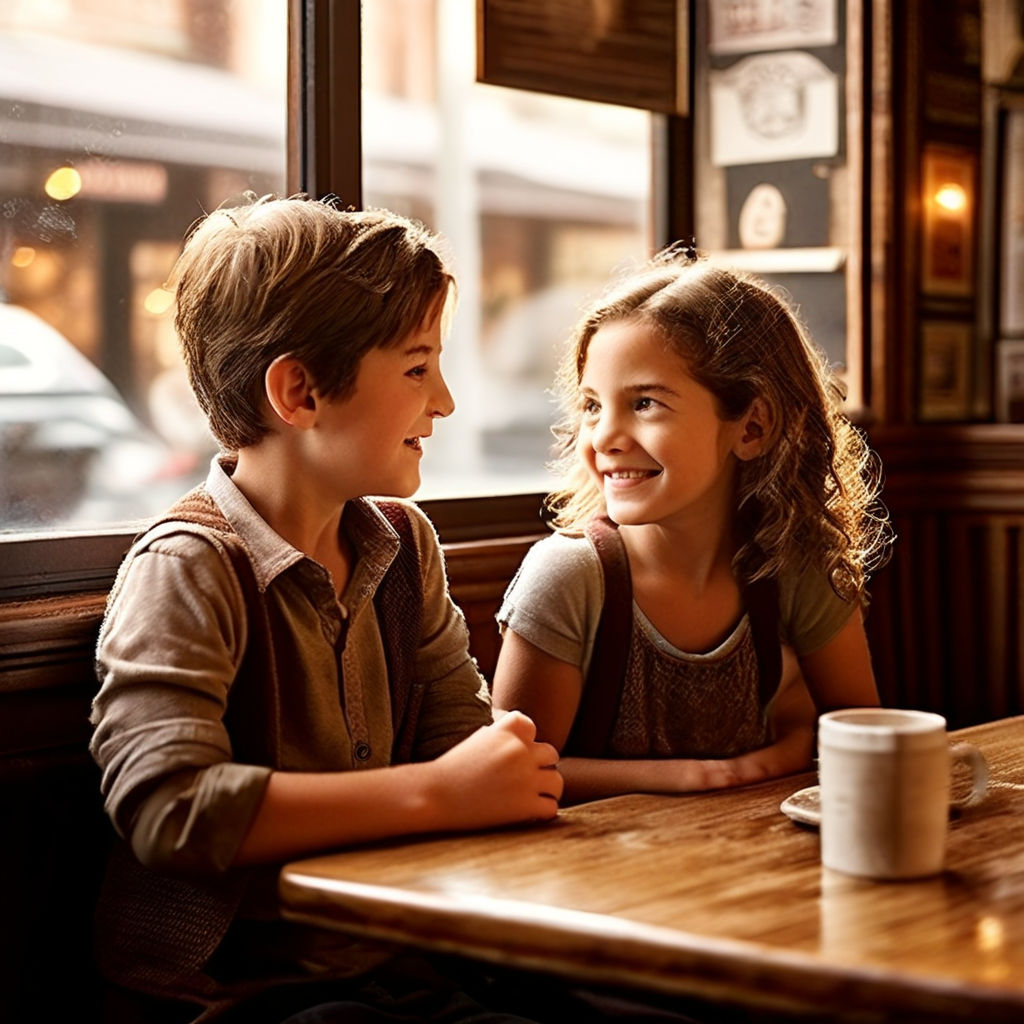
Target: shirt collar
[366, 526]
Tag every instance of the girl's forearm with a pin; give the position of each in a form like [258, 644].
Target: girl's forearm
[794, 752]
[595, 778]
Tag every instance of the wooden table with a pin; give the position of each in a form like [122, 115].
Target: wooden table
[712, 895]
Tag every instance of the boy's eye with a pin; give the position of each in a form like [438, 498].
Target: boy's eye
[642, 404]
[417, 371]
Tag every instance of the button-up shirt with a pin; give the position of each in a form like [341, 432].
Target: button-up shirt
[173, 639]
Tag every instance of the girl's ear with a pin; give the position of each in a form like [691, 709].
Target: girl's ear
[757, 433]
[290, 392]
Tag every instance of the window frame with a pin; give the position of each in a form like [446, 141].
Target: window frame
[324, 156]
[48, 565]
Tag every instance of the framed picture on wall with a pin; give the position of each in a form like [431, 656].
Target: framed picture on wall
[778, 157]
[745, 26]
[1010, 380]
[1011, 227]
[945, 370]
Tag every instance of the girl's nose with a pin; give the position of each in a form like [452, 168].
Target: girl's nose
[607, 434]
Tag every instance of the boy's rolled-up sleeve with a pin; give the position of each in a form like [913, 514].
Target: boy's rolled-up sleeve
[169, 647]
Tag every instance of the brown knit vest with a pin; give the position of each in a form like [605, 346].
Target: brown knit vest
[155, 933]
[602, 690]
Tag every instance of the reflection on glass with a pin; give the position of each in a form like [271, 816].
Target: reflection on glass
[541, 198]
[147, 115]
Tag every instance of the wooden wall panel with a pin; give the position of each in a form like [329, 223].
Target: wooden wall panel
[945, 622]
[478, 573]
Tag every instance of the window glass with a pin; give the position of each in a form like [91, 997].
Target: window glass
[121, 122]
[541, 198]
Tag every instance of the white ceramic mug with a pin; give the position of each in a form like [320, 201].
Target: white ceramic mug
[885, 778]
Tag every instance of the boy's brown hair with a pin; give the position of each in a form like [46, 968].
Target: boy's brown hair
[297, 277]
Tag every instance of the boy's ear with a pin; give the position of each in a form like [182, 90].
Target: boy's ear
[289, 389]
[758, 431]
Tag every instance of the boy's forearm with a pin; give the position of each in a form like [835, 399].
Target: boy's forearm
[496, 776]
[302, 812]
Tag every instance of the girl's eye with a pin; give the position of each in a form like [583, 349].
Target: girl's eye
[417, 371]
[590, 407]
[643, 404]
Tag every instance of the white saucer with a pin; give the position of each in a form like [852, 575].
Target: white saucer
[803, 806]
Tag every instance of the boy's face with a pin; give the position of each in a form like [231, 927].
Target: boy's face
[370, 442]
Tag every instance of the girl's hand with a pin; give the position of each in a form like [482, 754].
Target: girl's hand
[497, 776]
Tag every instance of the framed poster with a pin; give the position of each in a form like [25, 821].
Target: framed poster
[779, 152]
[945, 370]
[743, 26]
[782, 105]
[1010, 380]
[1011, 224]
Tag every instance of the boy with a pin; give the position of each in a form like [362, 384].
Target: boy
[282, 668]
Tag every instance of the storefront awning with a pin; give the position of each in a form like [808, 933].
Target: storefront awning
[107, 102]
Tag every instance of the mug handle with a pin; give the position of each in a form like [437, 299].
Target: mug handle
[979, 773]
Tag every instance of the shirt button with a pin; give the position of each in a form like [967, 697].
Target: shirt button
[362, 751]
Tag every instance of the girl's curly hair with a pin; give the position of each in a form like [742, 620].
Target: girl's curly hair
[813, 497]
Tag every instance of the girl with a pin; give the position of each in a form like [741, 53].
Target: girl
[716, 529]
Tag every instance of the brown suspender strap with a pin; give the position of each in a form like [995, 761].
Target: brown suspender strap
[602, 689]
[176, 924]
[399, 604]
[762, 600]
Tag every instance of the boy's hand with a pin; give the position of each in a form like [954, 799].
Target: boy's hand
[497, 776]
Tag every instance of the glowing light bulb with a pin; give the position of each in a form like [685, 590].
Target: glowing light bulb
[158, 301]
[64, 183]
[951, 197]
[990, 934]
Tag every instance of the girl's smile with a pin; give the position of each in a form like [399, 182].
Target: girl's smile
[650, 435]
[622, 480]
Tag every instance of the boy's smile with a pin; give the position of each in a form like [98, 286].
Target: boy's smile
[371, 441]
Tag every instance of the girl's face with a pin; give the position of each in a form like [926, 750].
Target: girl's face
[650, 435]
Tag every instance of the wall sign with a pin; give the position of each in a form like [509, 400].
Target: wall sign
[633, 53]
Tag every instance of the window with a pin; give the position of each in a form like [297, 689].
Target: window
[147, 114]
[541, 198]
[155, 112]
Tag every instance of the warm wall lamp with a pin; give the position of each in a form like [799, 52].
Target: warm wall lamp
[951, 197]
[948, 229]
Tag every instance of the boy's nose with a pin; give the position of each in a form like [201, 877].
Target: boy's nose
[444, 404]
